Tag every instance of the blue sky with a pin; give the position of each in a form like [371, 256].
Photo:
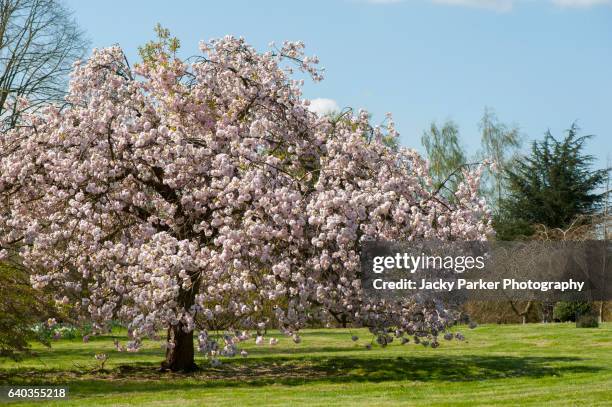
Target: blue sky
[539, 63]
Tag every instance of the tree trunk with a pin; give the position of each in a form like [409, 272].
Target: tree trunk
[181, 357]
[523, 314]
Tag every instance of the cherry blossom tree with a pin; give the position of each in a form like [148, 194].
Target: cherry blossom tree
[196, 195]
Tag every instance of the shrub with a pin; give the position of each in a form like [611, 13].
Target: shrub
[21, 307]
[568, 311]
[588, 320]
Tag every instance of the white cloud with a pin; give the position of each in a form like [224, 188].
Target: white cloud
[580, 3]
[322, 106]
[497, 5]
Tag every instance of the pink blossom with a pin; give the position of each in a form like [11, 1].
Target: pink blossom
[185, 195]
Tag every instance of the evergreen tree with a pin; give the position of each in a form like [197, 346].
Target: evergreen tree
[551, 186]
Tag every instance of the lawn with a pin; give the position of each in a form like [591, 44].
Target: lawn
[536, 364]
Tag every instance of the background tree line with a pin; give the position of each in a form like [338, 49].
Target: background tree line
[552, 192]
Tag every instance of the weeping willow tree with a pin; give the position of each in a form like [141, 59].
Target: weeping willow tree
[500, 143]
[445, 154]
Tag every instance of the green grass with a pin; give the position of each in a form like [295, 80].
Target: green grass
[553, 364]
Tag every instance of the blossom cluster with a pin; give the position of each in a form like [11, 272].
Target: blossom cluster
[203, 194]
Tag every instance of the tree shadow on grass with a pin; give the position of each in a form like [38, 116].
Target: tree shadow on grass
[303, 350]
[85, 353]
[412, 368]
[143, 377]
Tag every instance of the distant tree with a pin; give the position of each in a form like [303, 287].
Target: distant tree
[445, 155]
[605, 230]
[500, 144]
[550, 187]
[39, 41]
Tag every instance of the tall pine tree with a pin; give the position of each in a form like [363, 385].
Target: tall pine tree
[551, 186]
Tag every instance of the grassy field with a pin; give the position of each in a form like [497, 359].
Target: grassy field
[554, 364]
